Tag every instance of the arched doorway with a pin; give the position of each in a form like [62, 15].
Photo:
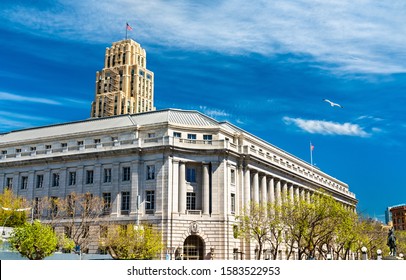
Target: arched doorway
[193, 248]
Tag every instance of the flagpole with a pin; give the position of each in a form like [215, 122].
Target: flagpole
[126, 30]
[311, 155]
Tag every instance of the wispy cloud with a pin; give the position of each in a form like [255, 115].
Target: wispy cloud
[215, 113]
[327, 127]
[9, 120]
[21, 98]
[340, 35]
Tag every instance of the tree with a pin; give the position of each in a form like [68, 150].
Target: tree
[400, 242]
[76, 213]
[34, 241]
[13, 209]
[130, 242]
[347, 234]
[254, 224]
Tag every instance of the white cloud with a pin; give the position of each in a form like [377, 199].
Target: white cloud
[213, 112]
[327, 127]
[20, 98]
[343, 35]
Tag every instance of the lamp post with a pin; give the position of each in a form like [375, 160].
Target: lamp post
[364, 253]
[379, 254]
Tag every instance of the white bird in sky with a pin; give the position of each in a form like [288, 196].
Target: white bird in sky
[332, 103]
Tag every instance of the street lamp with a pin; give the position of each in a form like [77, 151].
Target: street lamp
[364, 253]
[379, 254]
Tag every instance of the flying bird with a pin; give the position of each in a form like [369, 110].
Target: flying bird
[332, 103]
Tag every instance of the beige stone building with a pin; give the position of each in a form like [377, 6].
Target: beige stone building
[182, 171]
[124, 85]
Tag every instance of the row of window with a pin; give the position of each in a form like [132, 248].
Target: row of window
[72, 177]
[89, 177]
[126, 202]
[192, 136]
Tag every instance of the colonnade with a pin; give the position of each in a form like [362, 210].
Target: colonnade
[263, 188]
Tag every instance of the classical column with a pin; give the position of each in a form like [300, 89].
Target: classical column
[297, 193]
[302, 193]
[247, 187]
[255, 188]
[278, 192]
[271, 190]
[206, 189]
[291, 192]
[308, 196]
[264, 198]
[182, 188]
[284, 191]
[175, 186]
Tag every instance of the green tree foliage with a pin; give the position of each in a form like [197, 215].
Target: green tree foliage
[34, 241]
[254, 225]
[11, 209]
[315, 227]
[132, 242]
[401, 242]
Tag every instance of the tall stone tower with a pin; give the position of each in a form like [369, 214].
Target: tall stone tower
[124, 85]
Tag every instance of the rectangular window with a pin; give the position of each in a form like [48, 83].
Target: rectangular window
[48, 147]
[125, 203]
[37, 207]
[106, 203]
[64, 145]
[33, 149]
[177, 135]
[24, 182]
[80, 143]
[232, 175]
[54, 206]
[191, 201]
[4, 152]
[97, 141]
[89, 177]
[126, 173]
[150, 172]
[9, 183]
[151, 135]
[207, 138]
[191, 136]
[71, 206]
[18, 151]
[68, 231]
[72, 178]
[55, 179]
[190, 175]
[232, 203]
[149, 200]
[107, 175]
[40, 181]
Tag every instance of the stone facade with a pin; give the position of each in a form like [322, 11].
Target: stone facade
[124, 85]
[186, 173]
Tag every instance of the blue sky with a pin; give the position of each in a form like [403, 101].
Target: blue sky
[264, 66]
